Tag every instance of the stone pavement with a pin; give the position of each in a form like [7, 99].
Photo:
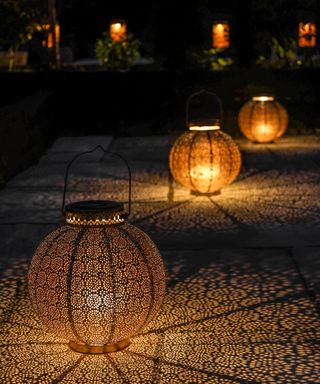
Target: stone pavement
[242, 304]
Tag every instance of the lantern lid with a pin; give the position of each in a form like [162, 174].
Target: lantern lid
[95, 213]
[263, 98]
[204, 125]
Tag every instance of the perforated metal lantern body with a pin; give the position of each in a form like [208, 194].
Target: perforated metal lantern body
[204, 159]
[97, 280]
[262, 119]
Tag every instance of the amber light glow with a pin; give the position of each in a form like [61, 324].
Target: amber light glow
[204, 127]
[118, 30]
[204, 160]
[262, 119]
[221, 35]
[97, 280]
[307, 34]
[46, 28]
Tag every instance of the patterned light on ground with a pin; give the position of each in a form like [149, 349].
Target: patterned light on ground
[97, 280]
[204, 159]
[118, 30]
[262, 119]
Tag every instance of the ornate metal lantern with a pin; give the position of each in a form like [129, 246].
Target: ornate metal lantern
[221, 34]
[118, 30]
[204, 159]
[262, 119]
[96, 280]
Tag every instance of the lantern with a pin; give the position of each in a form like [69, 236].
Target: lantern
[118, 30]
[221, 35]
[307, 34]
[262, 119]
[96, 280]
[204, 159]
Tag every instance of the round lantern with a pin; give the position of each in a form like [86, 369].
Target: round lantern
[204, 159]
[96, 280]
[262, 119]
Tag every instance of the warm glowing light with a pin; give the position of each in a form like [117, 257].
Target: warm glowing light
[46, 28]
[262, 119]
[221, 35]
[204, 127]
[307, 34]
[204, 172]
[50, 37]
[118, 30]
[96, 280]
[204, 161]
[263, 98]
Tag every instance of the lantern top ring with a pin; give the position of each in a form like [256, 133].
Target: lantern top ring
[95, 213]
[204, 127]
[263, 98]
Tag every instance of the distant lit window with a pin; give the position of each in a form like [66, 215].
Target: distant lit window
[118, 30]
[307, 34]
[221, 35]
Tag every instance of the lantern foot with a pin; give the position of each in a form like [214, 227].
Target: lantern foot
[196, 193]
[97, 349]
[259, 142]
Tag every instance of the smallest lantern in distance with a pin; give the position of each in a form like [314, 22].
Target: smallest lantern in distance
[118, 30]
[262, 119]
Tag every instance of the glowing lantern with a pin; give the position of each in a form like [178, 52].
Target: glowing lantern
[118, 30]
[307, 34]
[262, 119]
[221, 35]
[97, 280]
[204, 159]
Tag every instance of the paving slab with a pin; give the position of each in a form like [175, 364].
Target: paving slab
[75, 144]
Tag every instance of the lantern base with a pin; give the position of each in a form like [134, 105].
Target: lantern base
[98, 349]
[265, 142]
[196, 193]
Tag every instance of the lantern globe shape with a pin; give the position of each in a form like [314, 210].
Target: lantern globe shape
[204, 159]
[262, 119]
[96, 280]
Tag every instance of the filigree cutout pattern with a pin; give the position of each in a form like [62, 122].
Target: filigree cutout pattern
[204, 161]
[97, 286]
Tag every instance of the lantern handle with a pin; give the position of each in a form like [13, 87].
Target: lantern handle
[105, 152]
[199, 93]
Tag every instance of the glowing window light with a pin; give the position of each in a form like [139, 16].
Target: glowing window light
[204, 159]
[307, 34]
[46, 28]
[262, 119]
[97, 280]
[221, 35]
[118, 30]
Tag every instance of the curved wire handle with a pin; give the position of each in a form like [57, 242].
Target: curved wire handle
[85, 153]
[203, 91]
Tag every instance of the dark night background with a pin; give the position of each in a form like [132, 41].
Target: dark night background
[150, 100]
